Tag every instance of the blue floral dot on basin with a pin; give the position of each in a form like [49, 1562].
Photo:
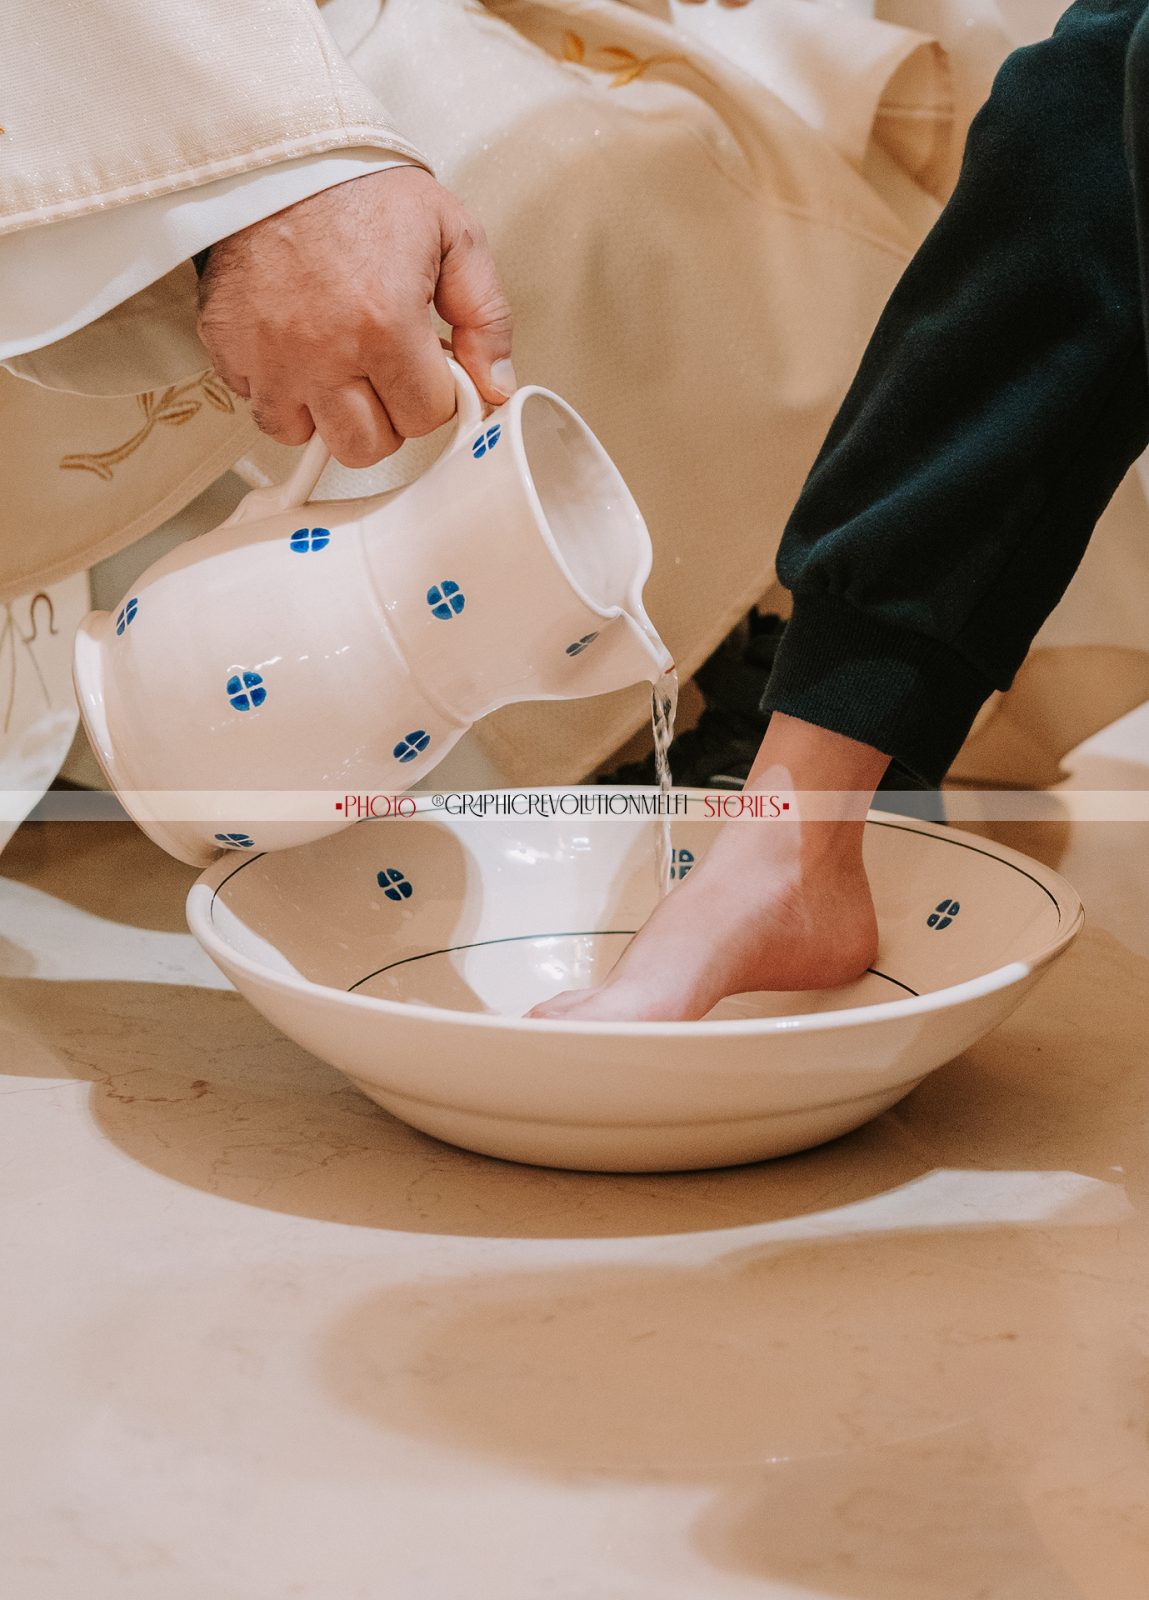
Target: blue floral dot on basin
[943, 914]
[411, 745]
[394, 884]
[245, 690]
[681, 862]
[236, 841]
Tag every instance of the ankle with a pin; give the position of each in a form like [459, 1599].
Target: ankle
[830, 846]
[802, 758]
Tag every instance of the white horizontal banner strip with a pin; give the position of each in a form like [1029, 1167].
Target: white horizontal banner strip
[589, 802]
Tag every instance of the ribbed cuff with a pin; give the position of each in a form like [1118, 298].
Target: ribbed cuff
[911, 697]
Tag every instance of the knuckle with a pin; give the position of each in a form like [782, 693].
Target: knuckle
[419, 399]
[494, 317]
[271, 420]
[424, 420]
[209, 331]
[281, 330]
[234, 381]
[360, 451]
[355, 440]
[380, 325]
[433, 414]
[265, 421]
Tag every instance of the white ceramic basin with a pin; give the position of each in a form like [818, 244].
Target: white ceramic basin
[405, 953]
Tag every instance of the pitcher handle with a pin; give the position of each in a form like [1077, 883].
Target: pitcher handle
[298, 487]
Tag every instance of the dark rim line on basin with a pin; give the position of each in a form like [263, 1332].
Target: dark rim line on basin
[521, 938]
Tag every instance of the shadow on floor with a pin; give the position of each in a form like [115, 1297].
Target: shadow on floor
[857, 1406]
[196, 1085]
[107, 868]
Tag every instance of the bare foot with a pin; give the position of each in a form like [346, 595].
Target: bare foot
[753, 915]
[774, 905]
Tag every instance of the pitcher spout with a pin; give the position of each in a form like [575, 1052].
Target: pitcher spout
[626, 650]
[658, 657]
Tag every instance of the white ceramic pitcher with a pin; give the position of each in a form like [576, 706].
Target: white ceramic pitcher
[346, 645]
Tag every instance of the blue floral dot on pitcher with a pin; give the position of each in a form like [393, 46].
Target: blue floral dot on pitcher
[580, 645]
[127, 615]
[245, 690]
[446, 599]
[236, 841]
[486, 442]
[304, 540]
[411, 745]
[394, 884]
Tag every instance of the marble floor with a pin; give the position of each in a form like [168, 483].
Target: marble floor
[260, 1342]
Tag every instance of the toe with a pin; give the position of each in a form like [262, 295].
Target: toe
[560, 1005]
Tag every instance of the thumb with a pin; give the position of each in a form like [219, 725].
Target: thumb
[471, 299]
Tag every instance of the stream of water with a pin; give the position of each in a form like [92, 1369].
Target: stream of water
[664, 708]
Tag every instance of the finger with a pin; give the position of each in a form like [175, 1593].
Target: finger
[470, 297]
[213, 335]
[286, 421]
[238, 386]
[354, 425]
[224, 367]
[408, 371]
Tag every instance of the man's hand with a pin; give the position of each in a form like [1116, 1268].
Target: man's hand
[321, 314]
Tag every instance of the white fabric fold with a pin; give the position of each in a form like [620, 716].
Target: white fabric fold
[108, 102]
[38, 713]
[853, 80]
